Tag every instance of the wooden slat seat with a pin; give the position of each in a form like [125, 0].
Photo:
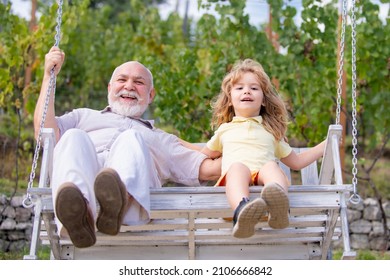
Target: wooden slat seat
[193, 222]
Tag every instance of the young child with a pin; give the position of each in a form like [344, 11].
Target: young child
[252, 121]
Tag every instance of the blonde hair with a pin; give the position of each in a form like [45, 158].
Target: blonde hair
[273, 112]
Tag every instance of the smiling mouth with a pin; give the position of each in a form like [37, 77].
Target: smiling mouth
[128, 97]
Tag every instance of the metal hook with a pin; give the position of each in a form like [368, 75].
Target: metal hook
[355, 199]
[28, 202]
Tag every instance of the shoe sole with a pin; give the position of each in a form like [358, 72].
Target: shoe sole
[249, 216]
[111, 194]
[72, 210]
[278, 206]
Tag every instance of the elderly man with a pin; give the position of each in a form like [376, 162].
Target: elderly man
[112, 158]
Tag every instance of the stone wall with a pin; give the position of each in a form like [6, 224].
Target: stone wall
[15, 224]
[366, 228]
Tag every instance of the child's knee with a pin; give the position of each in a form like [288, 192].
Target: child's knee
[271, 166]
[238, 166]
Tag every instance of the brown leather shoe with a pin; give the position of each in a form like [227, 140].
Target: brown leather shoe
[75, 215]
[112, 196]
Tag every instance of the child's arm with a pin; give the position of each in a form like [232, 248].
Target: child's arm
[190, 145]
[204, 149]
[298, 161]
[210, 153]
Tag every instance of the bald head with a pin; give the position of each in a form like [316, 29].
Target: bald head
[136, 67]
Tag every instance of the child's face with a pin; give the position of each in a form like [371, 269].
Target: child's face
[247, 96]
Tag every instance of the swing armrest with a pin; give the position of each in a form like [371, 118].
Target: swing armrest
[43, 191]
[48, 142]
[48, 139]
[331, 156]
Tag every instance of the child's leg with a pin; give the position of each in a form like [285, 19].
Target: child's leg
[247, 213]
[238, 180]
[272, 173]
[275, 194]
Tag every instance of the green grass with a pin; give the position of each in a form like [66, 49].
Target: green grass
[365, 255]
[43, 254]
[7, 187]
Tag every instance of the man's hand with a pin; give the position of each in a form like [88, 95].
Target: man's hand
[54, 58]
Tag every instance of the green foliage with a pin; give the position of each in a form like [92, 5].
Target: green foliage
[188, 68]
[16, 152]
[373, 60]
[14, 49]
[8, 188]
[307, 73]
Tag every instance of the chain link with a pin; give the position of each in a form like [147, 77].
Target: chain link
[355, 198]
[29, 202]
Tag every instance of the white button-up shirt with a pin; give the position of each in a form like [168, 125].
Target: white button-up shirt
[173, 161]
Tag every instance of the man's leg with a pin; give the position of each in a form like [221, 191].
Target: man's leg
[75, 166]
[113, 198]
[130, 158]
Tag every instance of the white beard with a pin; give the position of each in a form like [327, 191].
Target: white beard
[133, 111]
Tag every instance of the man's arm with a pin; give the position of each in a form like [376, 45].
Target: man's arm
[54, 58]
[210, 169]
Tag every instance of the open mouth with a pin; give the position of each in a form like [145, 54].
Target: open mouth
[246, 100]
[128, 96]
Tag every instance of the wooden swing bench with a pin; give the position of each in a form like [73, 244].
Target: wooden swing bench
[190, 222]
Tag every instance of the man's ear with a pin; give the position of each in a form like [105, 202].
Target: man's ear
[152, 94]
[108, 87]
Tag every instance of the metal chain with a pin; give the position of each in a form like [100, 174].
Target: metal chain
[355, 198]
[341, 60]
[28, 202]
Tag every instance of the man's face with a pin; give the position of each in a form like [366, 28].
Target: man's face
[130, 90]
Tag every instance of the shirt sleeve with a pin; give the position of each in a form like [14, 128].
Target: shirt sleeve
[184, 163]
[215, 144]
[282, 149]
[67, 121]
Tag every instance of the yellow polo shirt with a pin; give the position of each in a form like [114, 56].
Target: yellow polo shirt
[245, 140]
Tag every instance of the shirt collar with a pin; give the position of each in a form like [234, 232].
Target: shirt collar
[257, 119]
[147, 123]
